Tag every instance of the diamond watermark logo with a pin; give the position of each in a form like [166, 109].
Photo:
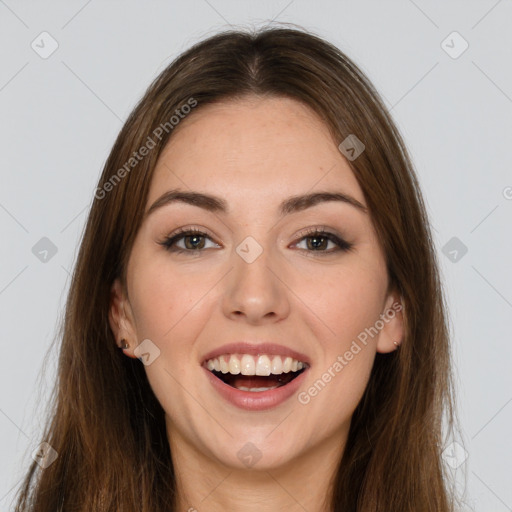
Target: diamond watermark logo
[454, 249]
[44, 455]
[44, 45]
[147, 352]
[455, 455]
[44, 250]
[249, 454]
[249, 250]
[351, 147]
[454, 45]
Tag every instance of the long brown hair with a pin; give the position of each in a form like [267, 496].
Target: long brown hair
[105, 423]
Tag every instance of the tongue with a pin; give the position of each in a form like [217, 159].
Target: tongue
[256, 381]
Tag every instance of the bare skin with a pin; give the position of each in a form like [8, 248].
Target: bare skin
[316, 299]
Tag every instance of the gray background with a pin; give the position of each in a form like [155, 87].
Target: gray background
[60, 116]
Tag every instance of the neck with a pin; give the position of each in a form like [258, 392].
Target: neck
[304, 483]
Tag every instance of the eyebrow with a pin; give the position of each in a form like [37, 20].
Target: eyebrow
[218, 205]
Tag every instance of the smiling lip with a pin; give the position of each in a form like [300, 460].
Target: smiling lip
[255, 400]
[271, 349]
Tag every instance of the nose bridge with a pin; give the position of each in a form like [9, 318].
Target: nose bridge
[254, 291]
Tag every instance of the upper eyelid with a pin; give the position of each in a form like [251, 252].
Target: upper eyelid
[339, 240]
[303, 232]
[187, 231]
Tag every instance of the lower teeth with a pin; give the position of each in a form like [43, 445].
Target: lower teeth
[243, 388]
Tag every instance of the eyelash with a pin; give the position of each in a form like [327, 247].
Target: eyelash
[168, 242]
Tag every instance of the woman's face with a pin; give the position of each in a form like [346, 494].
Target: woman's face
[256, 286]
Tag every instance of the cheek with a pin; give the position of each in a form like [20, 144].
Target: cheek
[343, 302]
[166, 300]
[170, 308]
[343, 313]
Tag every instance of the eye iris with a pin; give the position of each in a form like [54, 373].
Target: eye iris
[317, 242]
[197, 242]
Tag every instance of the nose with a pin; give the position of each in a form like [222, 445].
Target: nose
[254, 293]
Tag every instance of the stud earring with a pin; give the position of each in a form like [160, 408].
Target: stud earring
[396, 345]
[124, 344]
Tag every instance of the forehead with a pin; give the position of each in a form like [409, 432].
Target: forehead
[253, 147]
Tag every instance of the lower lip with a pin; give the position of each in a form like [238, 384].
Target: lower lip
[256, 400]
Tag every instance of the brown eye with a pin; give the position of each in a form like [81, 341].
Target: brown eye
[317, 242]
[193, 241]
[323, 242]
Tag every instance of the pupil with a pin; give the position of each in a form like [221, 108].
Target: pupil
[193, 245]
[315, 242]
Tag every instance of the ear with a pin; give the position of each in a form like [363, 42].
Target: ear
[393, 320]
[121, 319]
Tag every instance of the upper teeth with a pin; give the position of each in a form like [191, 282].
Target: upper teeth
[254, 365]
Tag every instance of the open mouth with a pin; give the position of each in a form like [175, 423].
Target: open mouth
[255, 373]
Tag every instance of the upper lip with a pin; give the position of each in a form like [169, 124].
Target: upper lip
[255, 349]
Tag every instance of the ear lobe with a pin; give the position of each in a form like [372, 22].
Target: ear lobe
[120, 323]
[392, 332]
[115, 312]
